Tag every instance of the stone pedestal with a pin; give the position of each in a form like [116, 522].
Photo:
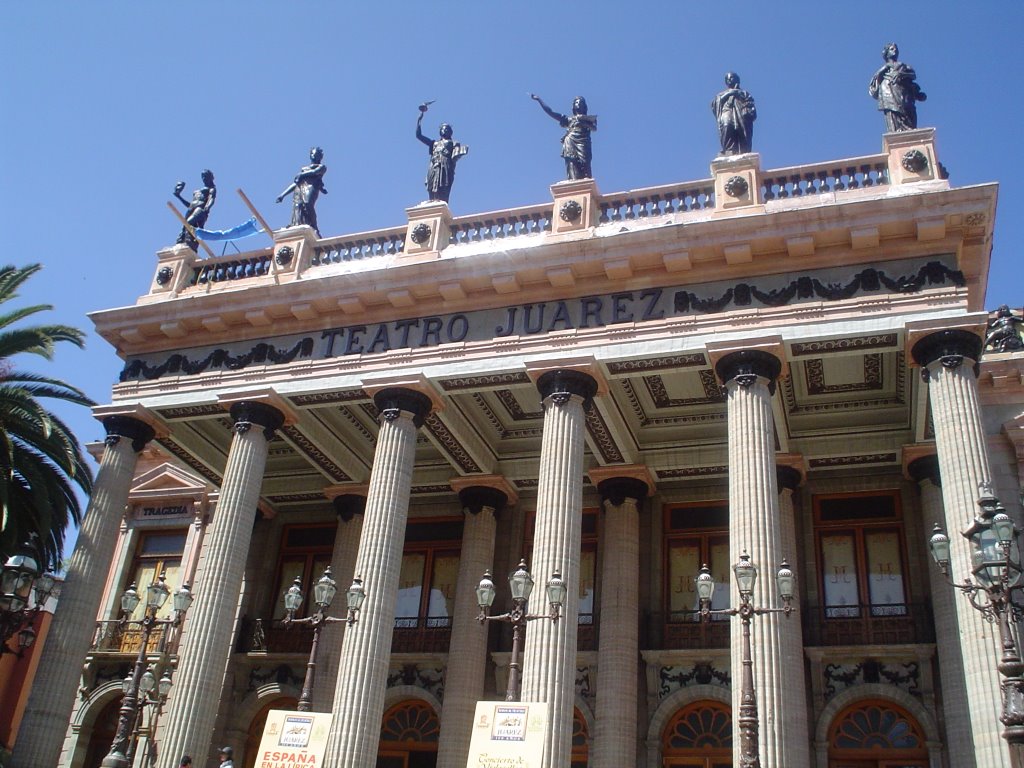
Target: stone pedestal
[428, 232]
[622, 490]
[174, 267]
[911, 156]
[366, 648]
[293, 250]
[549, 660]
[206, 643]
[737, 181]
[349, 503]
[577, 206]
[56, 683]
[749, 375]
[947, 358]
[467, 651]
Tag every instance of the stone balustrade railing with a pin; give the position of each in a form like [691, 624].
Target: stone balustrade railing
[737, 182]
[658, 201]
[838, 176]
[365, 245]
[528, 220]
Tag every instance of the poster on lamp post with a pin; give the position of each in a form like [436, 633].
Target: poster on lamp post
[507, 733]
[293, 739]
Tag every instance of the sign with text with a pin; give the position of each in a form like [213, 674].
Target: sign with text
[293, 739]
[508, 734]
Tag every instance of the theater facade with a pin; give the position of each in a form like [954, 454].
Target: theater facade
[791, 364]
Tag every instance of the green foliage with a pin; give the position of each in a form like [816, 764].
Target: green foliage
[40, 459]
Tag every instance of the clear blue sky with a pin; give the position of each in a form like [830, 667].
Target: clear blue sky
[103, 106]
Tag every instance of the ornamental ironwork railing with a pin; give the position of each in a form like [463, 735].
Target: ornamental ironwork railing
[901, 624]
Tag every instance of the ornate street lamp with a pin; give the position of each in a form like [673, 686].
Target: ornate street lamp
[520, 584]
[156, 595]
[18, 578]
[323, 593]
[746, 575]
[996, 566]
[154, 696]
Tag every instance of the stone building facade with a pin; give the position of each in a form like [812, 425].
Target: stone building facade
[787, 363]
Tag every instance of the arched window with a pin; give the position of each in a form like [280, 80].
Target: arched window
[408, 736]
[580, 750]
[876, 733]
[700, 734]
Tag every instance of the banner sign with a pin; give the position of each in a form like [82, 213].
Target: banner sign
[293, 739]
[508, 734]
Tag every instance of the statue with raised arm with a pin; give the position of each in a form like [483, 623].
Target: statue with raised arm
[735, 114]
[445, 152]
[576, 143]
[305, 189]
[198, 210]
[894, 86]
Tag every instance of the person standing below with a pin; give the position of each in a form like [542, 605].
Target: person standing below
[894, 86]
[305, 189]
[576, 143]
[226, 755]
[735, 113]
[186, 761]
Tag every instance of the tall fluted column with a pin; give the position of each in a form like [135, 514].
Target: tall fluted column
[467, 651]
[549, 659]
[53, 693]
[796, 741]
[749, 377]
[366, 648]
[350, 507]
[206, 641]
[947, 359]
[618, 650]
[959, 742]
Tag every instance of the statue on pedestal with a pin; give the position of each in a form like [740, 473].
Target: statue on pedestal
[735, 114]
[576, 143]
[445, 152]
[894, 86]
[198, 210]
[305, 189]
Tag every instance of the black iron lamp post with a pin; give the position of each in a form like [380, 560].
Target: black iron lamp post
[323, 593]
[746, 575]
[521, 585]
[996, 566]
[156, 595]
[154, 696]
[19, 576]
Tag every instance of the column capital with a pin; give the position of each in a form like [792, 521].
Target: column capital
[477, 490]
[789, 478]
[949, 346]
[121, 426]
[245, 413]
[745, 366]
[348, 500]
[925, 468]
[623, 481]
[391, 401]
[564, 382]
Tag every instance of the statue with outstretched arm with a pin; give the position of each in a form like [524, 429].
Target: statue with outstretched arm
[305, 189]
[197, 210]
[576, 143]
[445, 152]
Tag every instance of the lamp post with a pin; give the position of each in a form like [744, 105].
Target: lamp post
[323, 593]
[154, 696]
[746, 575]
[156, 595]
[996, 566]
[20, 575]
[521, 585]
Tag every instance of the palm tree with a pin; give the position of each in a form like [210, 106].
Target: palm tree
[40, 459]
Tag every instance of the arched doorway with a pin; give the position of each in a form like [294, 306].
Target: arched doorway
[103, 729]
[580, 740]
[255, 733]
[408, 736]
[876, 734]
[699, 734]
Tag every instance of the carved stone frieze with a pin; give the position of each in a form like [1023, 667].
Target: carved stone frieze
[904, 675]
[703, 673]
[430, 679]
